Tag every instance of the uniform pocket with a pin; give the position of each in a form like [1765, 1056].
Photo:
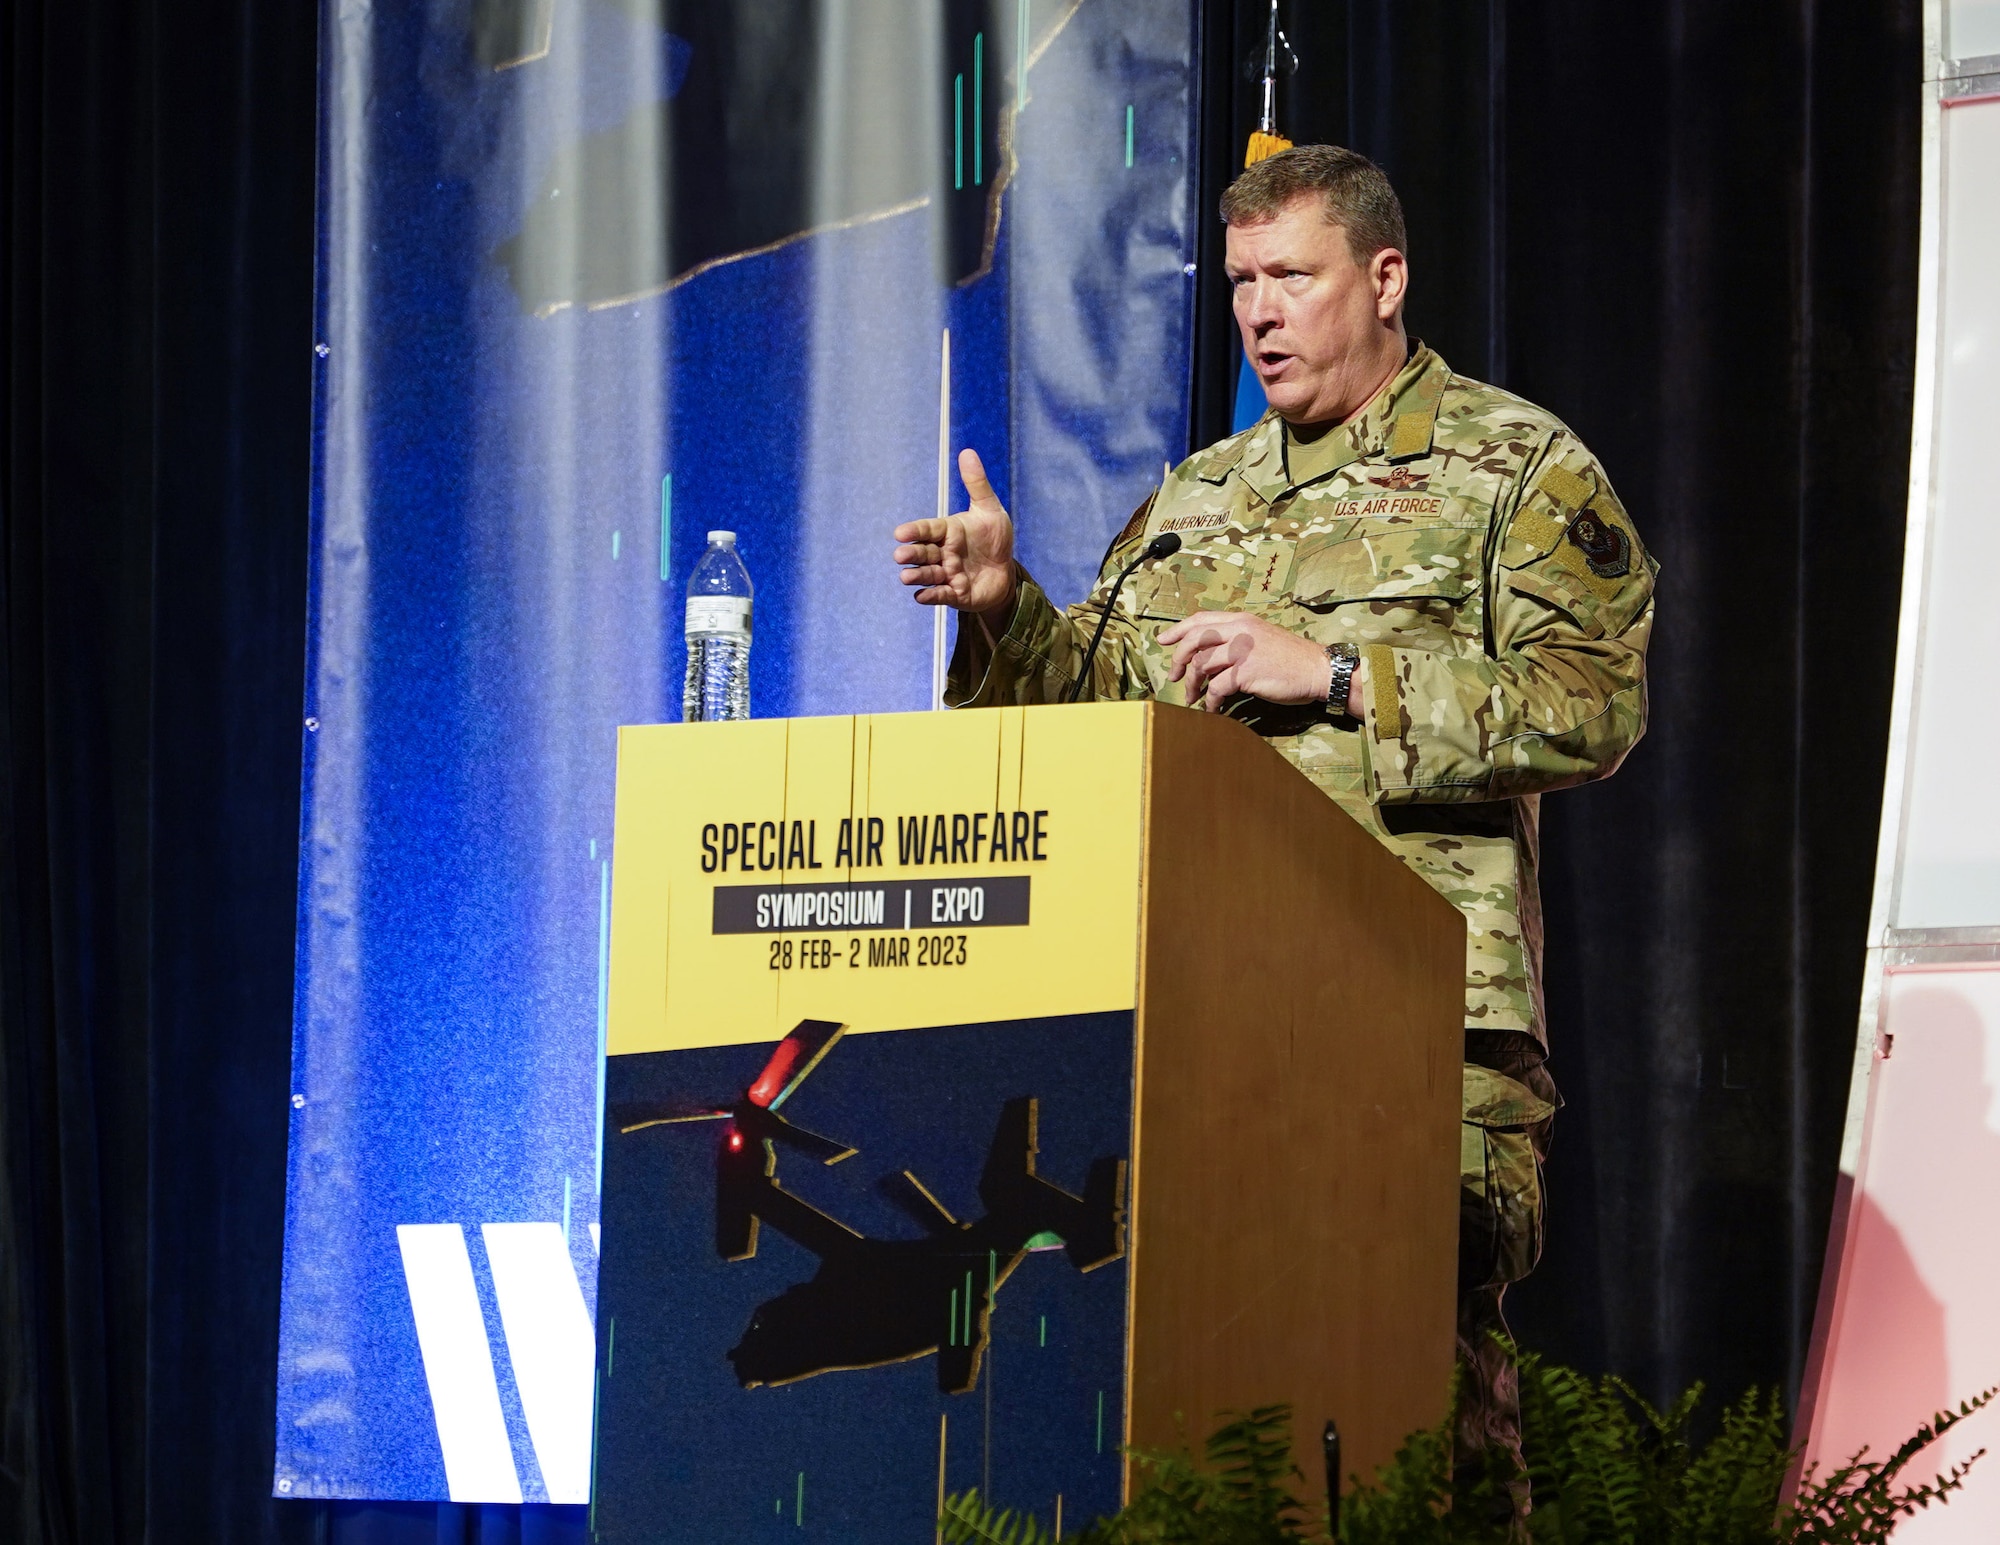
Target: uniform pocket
[1158, 596]
[1396, 563]
[1499, 1179]
[1414, 586]
[1183, 585]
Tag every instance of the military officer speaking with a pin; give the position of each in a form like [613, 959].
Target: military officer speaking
[1420, 588]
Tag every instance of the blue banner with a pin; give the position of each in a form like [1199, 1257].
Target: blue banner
[597, 276]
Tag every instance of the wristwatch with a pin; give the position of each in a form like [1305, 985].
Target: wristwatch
[1341, 662]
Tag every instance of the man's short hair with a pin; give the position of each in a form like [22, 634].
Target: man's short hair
[1357, 195]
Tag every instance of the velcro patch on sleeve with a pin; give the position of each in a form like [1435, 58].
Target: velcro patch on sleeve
[1565, 487]
[1539, 531]
[1382, 694]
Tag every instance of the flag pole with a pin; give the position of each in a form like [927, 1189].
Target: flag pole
[938, 656]
[1266, 141]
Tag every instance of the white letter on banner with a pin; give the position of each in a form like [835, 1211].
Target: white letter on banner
[458, 1366]
[552, 1347]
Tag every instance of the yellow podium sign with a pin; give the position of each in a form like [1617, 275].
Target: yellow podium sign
[884, 871]
[1100, 1175]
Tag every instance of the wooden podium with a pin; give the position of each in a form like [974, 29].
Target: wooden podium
[990, 1091]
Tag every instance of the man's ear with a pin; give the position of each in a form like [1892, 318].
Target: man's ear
[1389, 277]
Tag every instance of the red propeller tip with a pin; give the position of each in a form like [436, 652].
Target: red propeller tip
[778, 1072]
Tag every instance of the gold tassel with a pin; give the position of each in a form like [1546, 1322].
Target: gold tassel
[1264, 146]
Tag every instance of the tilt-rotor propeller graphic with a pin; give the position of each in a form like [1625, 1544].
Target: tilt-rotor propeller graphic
[877, 1301]
[753, 1115]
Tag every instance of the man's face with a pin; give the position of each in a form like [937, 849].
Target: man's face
[1322, 331]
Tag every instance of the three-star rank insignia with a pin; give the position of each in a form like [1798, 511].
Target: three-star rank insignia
[1399, 479]
[1605, 548]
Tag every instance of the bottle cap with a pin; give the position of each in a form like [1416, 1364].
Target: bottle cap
[722, 539]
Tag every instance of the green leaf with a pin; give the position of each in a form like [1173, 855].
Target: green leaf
[967, 1520]
[1607, 1468]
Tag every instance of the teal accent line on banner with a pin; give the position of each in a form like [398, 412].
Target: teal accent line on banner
[596, 1405]
[958, 131]
[603, 999]
[1128, 135]
[666, 522]
[1021, 26]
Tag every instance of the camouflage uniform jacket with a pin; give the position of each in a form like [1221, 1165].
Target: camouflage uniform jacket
[1472, 549]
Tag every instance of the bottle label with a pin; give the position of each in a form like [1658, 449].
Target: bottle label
[718, 614]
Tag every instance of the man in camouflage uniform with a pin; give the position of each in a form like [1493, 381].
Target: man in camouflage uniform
[1422, 590]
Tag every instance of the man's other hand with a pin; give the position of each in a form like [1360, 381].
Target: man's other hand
[967, 561]
[1222, 654]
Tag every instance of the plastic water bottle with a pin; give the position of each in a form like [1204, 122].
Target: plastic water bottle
[718, 634]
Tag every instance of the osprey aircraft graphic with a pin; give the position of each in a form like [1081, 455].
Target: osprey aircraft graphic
[877, 1301]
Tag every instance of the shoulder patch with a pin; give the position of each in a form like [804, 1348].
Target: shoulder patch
[1606, 548]
[1598, 552]
[1132, 527]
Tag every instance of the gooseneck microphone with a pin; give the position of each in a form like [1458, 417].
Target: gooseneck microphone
[1165, 545]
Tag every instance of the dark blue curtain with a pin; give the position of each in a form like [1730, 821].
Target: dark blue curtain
[1688, 227]
[156, 263]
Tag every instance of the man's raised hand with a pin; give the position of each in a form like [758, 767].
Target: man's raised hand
[967, 561]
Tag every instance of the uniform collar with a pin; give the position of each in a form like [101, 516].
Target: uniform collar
[1396, 426]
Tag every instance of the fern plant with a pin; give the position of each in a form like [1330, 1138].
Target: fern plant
[1241, 1496]
[1857, 1503]
[968, 1521]
[1607, 1469]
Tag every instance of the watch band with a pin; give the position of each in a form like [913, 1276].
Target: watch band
[1342, 661]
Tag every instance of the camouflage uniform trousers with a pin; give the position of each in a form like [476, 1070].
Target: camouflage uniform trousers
[1509, 1111]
